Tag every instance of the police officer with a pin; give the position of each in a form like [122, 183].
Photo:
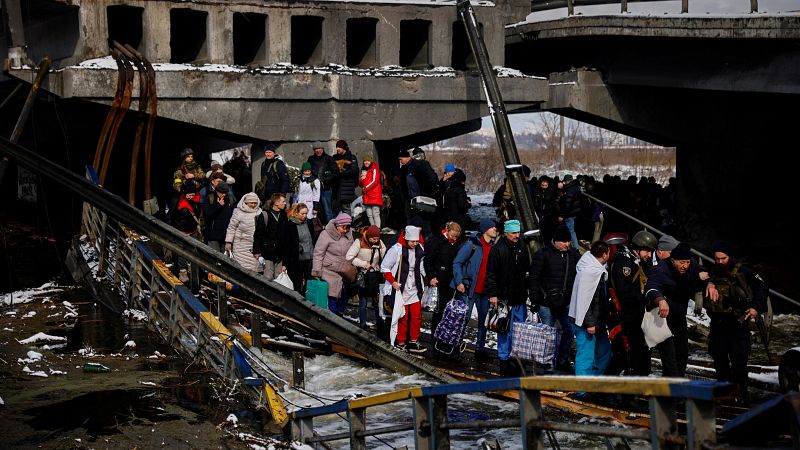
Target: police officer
[742, 297]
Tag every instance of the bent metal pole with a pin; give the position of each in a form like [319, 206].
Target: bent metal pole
[502, 129]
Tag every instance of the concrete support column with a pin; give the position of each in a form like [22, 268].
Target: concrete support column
[220, 36]
[155, 32]
[93, 23]
[388, 41]
[334, 38]
[280, 36]
[441, 43]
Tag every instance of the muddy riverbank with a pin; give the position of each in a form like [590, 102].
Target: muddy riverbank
[149, 398]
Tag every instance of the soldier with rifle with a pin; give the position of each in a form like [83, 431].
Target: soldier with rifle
[629, 272]
[742, 297]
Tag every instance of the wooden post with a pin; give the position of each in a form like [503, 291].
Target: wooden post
[684, 6]
[222, 303]
[530, 408]
[118, 261]
[103, 262]
[358, 422]
[753, 6]
[298, 370]
[255, 330]
[663, 421]
[441, 437]
[194, 278]
[700, 424]
[570, 7]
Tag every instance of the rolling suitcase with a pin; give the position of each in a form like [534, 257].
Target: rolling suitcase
[449, 334]
[317, 292]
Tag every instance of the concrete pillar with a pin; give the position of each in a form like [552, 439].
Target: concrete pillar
[441, 43]
[334, 38]
[388, 40]
[220, 36]
[94, 31]
[155, 32]
[280, 36]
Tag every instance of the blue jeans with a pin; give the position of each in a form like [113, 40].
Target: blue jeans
[482, 302]
[327, 209]
[339, 305]
[518, 314]
[594, 351]
[570, 222]
[362, 310]
[549, 317]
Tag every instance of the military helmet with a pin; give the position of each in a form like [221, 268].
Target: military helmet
[645, 239]
[186, 152]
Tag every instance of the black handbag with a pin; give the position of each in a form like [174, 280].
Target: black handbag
[373, 279]
[360, 281]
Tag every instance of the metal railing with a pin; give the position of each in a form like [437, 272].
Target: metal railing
[431, 428]
[137, 275]
[539, 5]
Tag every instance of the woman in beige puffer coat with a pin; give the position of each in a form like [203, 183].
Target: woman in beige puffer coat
[330, 257]
[241, 228]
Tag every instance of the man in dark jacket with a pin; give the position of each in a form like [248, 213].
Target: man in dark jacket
[455, 200]
[217, 212]
[551, 279]
[440, 251]
[325, 169]
[543, 197]
[506, 282]
[348, 173]
[569, 207]
[669, 287]
[273, 173]
[742, 297]
[270, 228]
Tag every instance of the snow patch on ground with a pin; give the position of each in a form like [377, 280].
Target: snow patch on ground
[28, 295]
[42, 337]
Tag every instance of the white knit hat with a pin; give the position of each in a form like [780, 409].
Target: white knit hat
[412, 233]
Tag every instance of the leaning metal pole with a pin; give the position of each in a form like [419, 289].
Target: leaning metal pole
[270, 295]
[502, 129]
[699, 254]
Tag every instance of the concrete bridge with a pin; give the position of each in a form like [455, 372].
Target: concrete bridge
[385, 75]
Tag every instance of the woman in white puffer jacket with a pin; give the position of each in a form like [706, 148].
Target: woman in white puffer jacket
[239, 238]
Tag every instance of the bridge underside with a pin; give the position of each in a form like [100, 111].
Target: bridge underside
[374, 113]
[720, 90]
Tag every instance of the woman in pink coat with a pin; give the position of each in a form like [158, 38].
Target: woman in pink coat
[330, 258]
[372, 196]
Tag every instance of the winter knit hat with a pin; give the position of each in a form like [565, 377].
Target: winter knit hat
[723, 247]
[485, 225]
[270, 147]
[682, 252]
[341, 143]
[403, 154]
[306, 166]
[342, 219]
[317, 145]
[667, 243]
[449, 168]
[562, 234]
[512, 226]
[373, 231]
[222, 187]
[412, 233]
[367, 157]
[567, 177]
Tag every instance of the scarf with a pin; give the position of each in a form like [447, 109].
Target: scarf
[589, 273]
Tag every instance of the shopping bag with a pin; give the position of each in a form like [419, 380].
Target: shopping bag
[655, 328]
[449, 333]
[498, 318]
[430, 298]
[317, 292]
[284, 279]
[534, 341]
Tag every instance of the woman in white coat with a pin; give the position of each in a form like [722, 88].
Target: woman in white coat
[241, 228]
[404, 273]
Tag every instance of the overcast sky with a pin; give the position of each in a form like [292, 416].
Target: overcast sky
[674, 7]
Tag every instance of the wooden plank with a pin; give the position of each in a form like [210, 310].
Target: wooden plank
[704, 390]
[530, 409]
[389, 397]
[610, 385]
[166, 274]
[333, 408]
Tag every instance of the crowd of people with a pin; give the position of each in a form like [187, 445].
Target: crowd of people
[597, 297]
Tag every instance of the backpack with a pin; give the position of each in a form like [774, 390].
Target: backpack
[261, 188]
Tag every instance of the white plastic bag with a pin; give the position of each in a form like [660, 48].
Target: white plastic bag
[655, 328]
[284, 279]
[430, 298]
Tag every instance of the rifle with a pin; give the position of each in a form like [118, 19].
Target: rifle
[762, 330]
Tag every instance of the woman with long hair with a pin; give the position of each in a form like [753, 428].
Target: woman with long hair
[367, 253]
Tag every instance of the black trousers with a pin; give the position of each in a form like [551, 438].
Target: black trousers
[729, 346]
[674, 352]
[299, 272]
